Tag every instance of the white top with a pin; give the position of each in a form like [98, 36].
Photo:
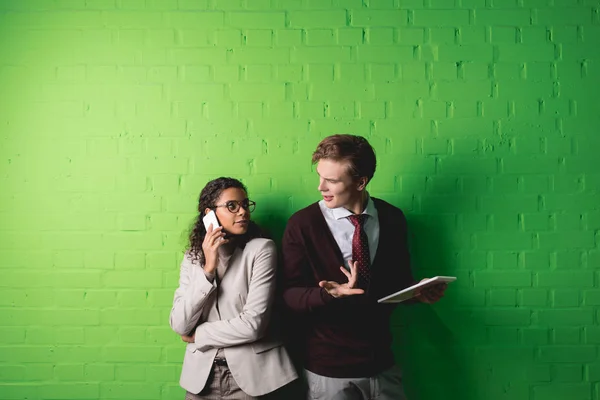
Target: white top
[342, 229]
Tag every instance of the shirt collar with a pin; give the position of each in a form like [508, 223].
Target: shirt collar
[341, 212]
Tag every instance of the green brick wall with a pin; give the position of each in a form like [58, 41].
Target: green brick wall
[484, 115]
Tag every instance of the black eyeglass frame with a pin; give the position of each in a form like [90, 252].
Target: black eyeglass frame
[248, 205]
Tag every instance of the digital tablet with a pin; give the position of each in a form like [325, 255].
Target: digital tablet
[414, 290]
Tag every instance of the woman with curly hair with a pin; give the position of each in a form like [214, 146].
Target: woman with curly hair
[223, 304]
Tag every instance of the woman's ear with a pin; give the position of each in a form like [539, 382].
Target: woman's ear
[206, 211]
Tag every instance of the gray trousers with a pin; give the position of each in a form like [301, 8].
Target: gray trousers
[384, 386]
[222, 386]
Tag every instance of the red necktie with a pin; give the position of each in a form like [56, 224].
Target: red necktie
[360, 249]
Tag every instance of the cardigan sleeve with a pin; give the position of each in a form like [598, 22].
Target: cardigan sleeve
[297, 294]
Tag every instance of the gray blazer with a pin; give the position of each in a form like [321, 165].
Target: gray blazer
[240, 325]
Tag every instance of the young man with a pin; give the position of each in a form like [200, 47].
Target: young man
[339, 256]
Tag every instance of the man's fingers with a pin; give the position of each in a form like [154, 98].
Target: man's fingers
[348, 275]
[353, 274]
[432, 294]
[438, 290]
[337, 290]
[424, 297]
[349, 291]
[352, 265]
[328, 284]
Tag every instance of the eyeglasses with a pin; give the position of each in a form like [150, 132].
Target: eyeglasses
[233, 206]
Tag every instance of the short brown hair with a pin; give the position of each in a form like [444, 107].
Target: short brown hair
[355, 150]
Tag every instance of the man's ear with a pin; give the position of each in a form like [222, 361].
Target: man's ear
[362, 183]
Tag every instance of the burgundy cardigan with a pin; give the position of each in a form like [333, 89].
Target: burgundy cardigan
[345, 337]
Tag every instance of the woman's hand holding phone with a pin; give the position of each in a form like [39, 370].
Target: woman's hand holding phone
[215, 238]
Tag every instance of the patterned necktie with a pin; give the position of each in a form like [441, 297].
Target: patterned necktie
[360, 250]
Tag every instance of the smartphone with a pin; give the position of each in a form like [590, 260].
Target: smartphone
[210, 219]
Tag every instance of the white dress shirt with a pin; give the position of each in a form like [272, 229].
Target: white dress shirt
[342, 229]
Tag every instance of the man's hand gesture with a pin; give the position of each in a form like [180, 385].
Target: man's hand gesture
[345, 289]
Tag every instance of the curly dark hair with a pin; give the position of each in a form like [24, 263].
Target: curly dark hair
[208, 197]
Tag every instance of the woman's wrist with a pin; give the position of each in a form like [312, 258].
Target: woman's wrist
[210, 276]
[210, 267]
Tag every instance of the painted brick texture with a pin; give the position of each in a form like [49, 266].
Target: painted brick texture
[484, 115]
